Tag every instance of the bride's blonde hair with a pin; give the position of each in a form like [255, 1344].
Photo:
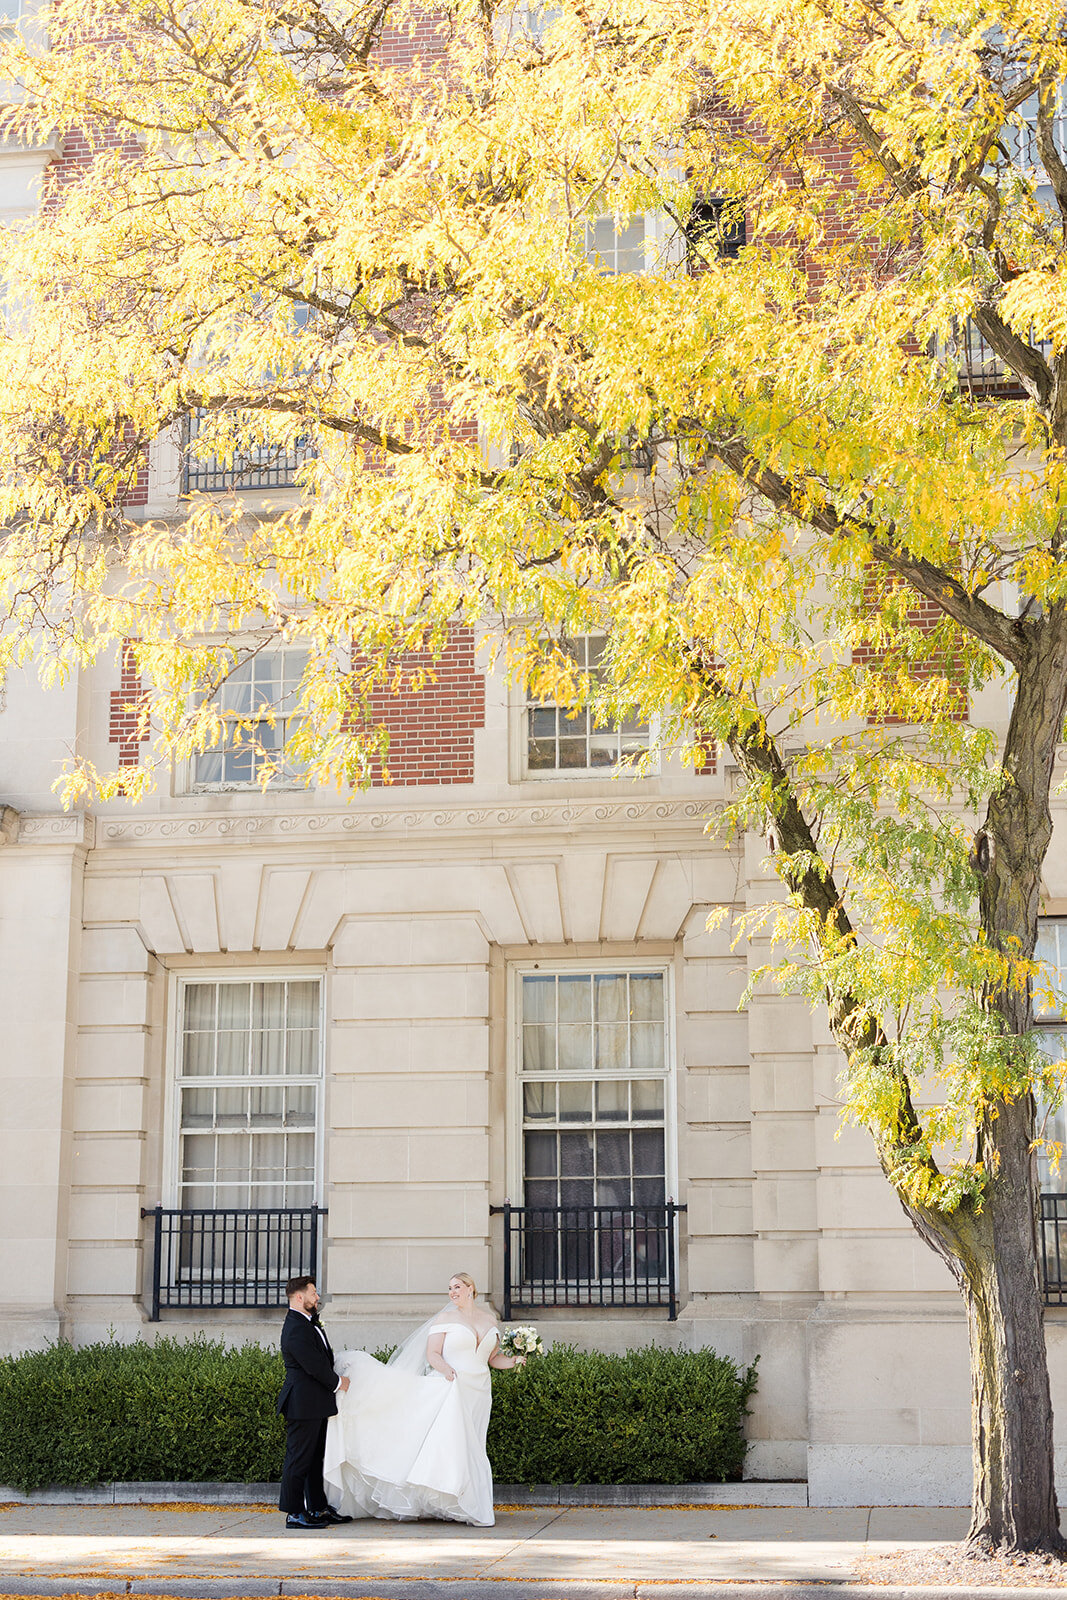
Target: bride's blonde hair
[465, 1277]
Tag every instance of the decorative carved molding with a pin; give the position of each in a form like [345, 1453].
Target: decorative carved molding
[75, 828]
[405, 822]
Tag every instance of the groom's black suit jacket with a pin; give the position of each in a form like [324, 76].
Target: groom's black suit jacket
[310, 1381]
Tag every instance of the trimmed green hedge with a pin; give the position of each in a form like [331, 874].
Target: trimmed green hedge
[650, 1416]
[199, 1412]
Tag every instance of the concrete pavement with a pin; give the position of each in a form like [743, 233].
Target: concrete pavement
[674, 1552]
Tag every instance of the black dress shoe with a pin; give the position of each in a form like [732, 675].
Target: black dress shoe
[304, 1519]
[331, 1516]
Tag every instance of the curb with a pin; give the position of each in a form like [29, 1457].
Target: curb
[505, 1589]
[768, 1495]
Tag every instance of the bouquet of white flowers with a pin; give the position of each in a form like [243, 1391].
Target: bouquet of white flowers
[521, 1342]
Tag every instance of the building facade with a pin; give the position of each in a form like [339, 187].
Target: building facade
[473, 1019]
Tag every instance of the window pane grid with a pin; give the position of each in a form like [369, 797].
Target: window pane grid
[593, 1119]
[248, 1094]
[258, 706]
[561, 739]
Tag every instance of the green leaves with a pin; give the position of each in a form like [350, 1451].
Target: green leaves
[199, 1412]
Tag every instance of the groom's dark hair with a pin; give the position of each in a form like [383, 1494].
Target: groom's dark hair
[296, 1285]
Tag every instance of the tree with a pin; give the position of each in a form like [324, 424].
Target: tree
[841, 535]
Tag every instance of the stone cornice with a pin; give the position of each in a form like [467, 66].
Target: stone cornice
[405, 822]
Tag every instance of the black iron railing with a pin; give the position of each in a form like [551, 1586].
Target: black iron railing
[983, 375]
[590, 1256]
[263, 466]
[1054, 1248]
[230, 1258]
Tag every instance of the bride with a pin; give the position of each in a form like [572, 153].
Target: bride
[408, 1439]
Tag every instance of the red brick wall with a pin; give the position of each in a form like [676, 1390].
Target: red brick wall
[77, 152]
[431, 731]
[124, 721]
[927, 616]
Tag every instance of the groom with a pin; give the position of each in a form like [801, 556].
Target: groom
[306, 1402]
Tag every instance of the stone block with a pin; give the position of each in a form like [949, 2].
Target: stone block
[117, 1269]
[883, 1424]
[415, 1101]
[106, 1002]
[31, 1105]
[713, 1040]
[104, 1215]
[355, 1047]
[865, 1200]
[723, 1207]
[842, 1144]
[28, 1263]
[108, 1162]
[108, 1107]
[885, 1359]
[111, 898]
[112, 1054]
[700, 940]
[723, 1152]
[710, 985]
[767, 1460]
[889, 1475]
[786, 1265]
[781, 1083]
[779, 1025]
[409, 942]
[880, 1263]
[438, 1154]
[114, 949]
[784, 1204]
[716, 1094]
[783, 1142]
[429, 992]
[669, 900]
[719, 1266]
[363, 1211]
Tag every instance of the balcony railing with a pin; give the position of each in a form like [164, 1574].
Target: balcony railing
[230, 1258]
[982, 373]
[263, 466]
[590, 1256]
[1054, 1248]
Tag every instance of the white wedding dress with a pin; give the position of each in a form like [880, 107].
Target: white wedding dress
[412, 1444]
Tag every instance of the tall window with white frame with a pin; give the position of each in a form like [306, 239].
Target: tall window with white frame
[594, 1087]
[249, 1091]
[1050, 1017]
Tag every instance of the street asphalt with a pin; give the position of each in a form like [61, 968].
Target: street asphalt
[206, 1551]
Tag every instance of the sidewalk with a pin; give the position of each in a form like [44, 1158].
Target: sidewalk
[672, 1552]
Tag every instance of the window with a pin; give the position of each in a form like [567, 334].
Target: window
[1050, 1016]
[560, 739]
[258, 705]
[530, 23]
[254, 465]
[716, 227]
[249, 1085]
[593, 1088]
[259, 466]
[594, 1096]
[616, 245]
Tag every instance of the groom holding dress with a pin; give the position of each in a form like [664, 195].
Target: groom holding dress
[307, 1401]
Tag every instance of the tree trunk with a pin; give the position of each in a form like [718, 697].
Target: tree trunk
[1014, 1496]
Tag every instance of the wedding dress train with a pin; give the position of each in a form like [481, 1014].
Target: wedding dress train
[405, 1444]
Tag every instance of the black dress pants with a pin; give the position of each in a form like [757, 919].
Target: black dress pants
[305, 1445]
